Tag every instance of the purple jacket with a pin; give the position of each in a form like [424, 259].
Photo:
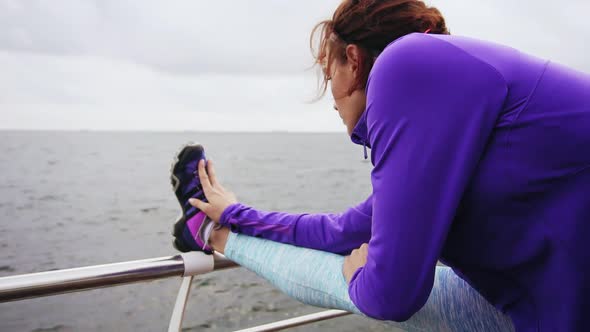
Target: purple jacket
[481, 159]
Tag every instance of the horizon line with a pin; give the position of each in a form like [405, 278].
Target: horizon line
[163, 131]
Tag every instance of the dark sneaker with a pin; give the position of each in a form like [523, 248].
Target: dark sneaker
[191, 231]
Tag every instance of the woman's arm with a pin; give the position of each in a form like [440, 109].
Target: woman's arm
[431, 110]
[337, 233]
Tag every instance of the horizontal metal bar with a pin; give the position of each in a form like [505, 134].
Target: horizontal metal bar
[24, 286]
[19, 287]
[297, 321]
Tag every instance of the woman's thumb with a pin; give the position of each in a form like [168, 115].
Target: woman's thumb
[197, 203]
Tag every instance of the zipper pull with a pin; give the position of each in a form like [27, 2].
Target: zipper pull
[365, 149]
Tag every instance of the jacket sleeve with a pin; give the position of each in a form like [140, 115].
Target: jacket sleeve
[431, 109]
[337, 233]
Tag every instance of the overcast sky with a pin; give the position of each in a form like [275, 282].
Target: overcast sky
[215, 65]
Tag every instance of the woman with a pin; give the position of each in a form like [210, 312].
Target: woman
[481, 160]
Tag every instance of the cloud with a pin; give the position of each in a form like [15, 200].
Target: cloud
[236, 65]
[171, 118]
[98, 80]
[83, 92]
[185, 37]
[548, 29]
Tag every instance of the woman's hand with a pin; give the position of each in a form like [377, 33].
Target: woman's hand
[218, 198]
[356, 260]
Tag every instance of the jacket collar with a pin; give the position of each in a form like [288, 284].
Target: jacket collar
[359, 134]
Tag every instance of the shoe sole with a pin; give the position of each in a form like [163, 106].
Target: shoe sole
[180, 224]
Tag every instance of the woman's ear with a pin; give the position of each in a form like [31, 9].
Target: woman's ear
[353, 57]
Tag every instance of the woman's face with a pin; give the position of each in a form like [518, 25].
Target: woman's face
[349, 107]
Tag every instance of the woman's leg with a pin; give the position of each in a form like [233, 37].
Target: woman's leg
[315, 277]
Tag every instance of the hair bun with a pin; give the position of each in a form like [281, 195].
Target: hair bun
[434, 20]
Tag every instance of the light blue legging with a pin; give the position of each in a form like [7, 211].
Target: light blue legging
[315, 277]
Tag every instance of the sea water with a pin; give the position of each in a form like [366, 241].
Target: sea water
[72, 199]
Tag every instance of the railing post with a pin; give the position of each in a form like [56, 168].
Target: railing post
[180, 305]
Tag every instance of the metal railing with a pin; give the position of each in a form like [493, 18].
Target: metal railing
[186, 265]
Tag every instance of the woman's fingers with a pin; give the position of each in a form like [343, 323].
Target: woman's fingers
[218, 199]
[205, 182]
[212, 174]
[364, 248]
[360, 253]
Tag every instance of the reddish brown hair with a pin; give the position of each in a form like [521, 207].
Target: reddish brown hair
[371, 25]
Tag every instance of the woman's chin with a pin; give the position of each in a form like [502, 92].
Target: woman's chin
[348, 128]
